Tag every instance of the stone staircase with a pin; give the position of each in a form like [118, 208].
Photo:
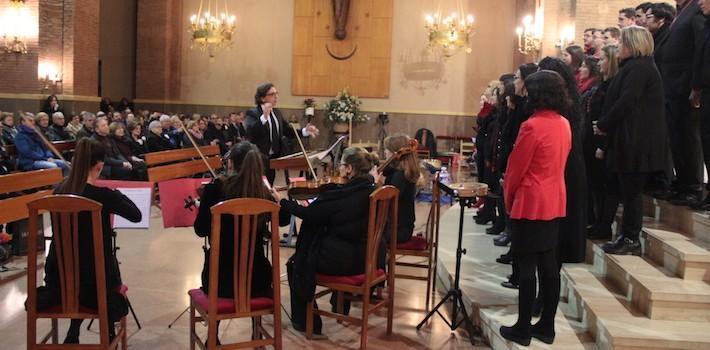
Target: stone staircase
[660, 300]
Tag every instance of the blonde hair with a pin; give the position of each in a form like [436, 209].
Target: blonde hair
[41, 115]
[612, 57]
[638, 40]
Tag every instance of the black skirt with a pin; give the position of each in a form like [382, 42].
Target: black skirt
[533, 236]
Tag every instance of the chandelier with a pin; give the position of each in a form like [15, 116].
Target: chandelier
[451, 33]
[529, 36]
[212, 30]
[17, 27]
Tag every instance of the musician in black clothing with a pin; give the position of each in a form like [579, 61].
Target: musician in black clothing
[402, 174]
[86, 167]
[267, 128]
[246, 182]
[333, 237]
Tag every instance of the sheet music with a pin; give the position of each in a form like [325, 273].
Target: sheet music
[141, 197]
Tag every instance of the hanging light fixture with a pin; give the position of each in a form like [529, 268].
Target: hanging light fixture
[17, 27]
[449, 34]
[212, 30]
[529, 36]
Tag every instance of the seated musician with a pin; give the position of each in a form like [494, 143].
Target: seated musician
[245, 182]
[88, 162]
[333, 236]
[402, 174]
[32, 153]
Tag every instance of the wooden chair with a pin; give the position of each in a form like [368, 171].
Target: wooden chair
[64, 210]
[383, 206]
[210, 308]
[424, 246]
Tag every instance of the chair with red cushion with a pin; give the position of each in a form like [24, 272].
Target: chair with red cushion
[383, 205]
[210, 308]
[64, 210]
[424, 246]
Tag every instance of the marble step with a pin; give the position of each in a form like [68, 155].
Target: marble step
[685, 257]
[691, 223]
[614, 323]
[655, 292]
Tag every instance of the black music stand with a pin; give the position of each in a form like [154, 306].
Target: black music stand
[454, 292]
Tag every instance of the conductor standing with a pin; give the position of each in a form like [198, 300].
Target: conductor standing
[267, 129]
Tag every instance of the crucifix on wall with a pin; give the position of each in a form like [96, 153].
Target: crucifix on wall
[341, 9]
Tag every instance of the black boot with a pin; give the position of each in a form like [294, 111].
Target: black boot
[543, 333]
[516, 334]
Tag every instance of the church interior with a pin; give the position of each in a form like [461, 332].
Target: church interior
[135, 133]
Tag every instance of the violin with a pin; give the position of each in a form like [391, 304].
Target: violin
[409, 149]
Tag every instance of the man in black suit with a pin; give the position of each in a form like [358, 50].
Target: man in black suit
[267, 129]
[675, 57]
[235, 131]
[700, 97]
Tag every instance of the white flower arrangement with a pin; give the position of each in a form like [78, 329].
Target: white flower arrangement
[343, 108]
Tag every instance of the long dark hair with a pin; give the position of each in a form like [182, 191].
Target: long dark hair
[248, 164]
[87, 154]
[577, 54]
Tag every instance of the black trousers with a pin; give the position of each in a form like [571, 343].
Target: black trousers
[631, 187]
[705, 128]
[683, 131]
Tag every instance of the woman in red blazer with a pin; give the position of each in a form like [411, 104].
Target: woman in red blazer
[535, 197]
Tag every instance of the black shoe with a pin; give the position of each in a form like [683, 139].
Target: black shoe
[503, 240]
[483, 221]
[599, 233]
[494, 230]
[542, 334]
[505, 259]
[684, 199]
[700, 205]
[515, 335]
[509, 284]
[623, 246]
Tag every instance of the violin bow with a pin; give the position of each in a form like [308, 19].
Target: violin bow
[303, 149]
[192, 141]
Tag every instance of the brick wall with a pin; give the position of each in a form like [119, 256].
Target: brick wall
[158, 49]
[86, 47]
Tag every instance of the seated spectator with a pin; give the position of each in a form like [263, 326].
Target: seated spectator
[125, 147]
[87, 130]
[116, 166]
[116, 117]
[156, 140]
[213, 133]
[57, 131]
[74, 124]
[7, 164]
[177, 133]
[611, 36]
[106, 105]
[136, 138]
[51, 105]
[125, 103]
[235, 131]
[42, 122]
[9, 131]
[32, 153]
[194, 129]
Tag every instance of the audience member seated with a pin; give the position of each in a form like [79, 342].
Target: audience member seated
[402, 174]
[136, 138]
[235, 131]
[176, 133]
[335, 223]
[57, 131]
[245, 181]
[125, 103]
[116, 166]
[106, 105]
[74, 124]
[156, 140]
[51, 105]
[7, 164]
[125, 147]
[9, 131]
[32, 153]
[193, 128]
[87, 129]
[116, 117]
[214, 134]
[88, 161]
[42, 123]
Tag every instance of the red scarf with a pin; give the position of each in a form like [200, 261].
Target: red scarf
[585, 84]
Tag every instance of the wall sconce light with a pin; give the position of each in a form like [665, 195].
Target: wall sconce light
[49, 76]
[17, 26]
[566, 38]
[529, 36]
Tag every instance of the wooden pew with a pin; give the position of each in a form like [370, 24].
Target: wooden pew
[15, 208]
[61, 146]
[173, 164]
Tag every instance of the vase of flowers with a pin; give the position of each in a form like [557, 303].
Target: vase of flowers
[343, 110]
[310, 107]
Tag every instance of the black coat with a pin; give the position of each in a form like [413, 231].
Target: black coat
[261, 273]
[634, 118]
[8, 134]
[701, 65]
[235, 133]
[597, 173]
[659, 37]
[84, 132]
[114, 202]
[58, 133]
[258, 133]
[405, 208]
[157, 143]
[677, 51]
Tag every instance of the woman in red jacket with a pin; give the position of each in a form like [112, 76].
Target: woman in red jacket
[535, 197]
